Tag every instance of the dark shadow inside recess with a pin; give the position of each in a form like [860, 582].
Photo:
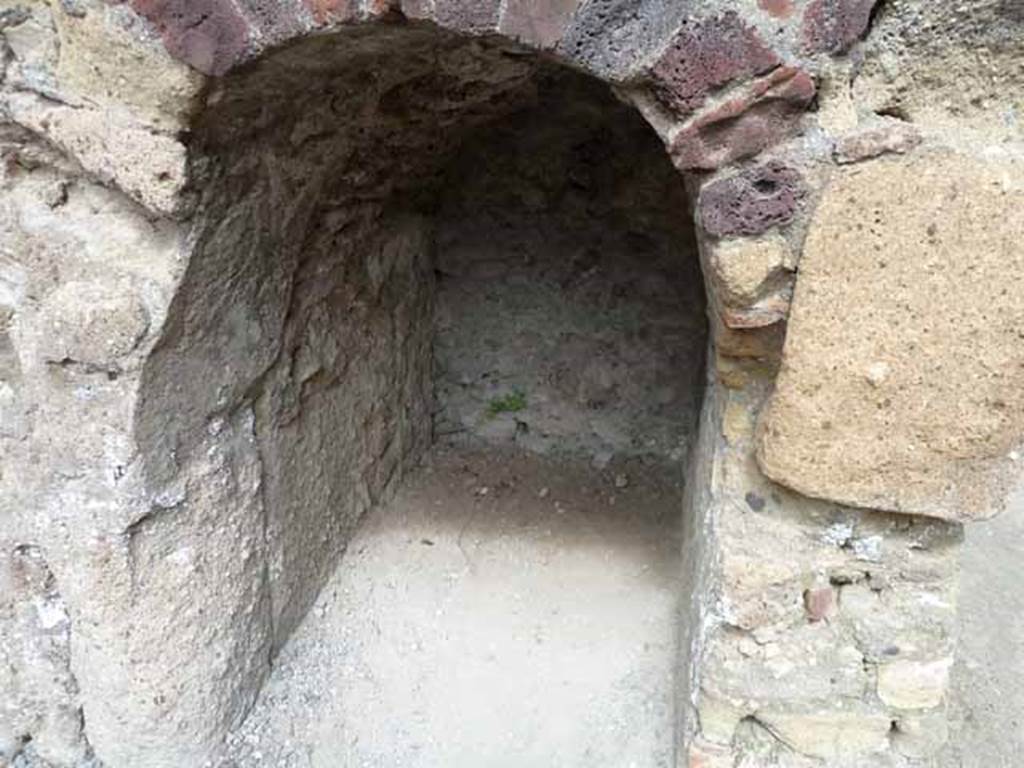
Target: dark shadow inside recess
[570, 313]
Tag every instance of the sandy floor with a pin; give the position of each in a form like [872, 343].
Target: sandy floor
[503, 610]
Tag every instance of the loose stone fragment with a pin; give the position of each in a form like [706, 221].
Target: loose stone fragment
[908, 684]
[889, 137]
[820, 602]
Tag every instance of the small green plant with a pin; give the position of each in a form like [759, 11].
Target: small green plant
[510, 403]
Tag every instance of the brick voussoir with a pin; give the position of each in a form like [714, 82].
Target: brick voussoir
[762, 113]
[209, 35]
[753, 201]
[706, 55]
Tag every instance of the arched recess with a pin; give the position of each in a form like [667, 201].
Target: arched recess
[161, 545]
[291, 388]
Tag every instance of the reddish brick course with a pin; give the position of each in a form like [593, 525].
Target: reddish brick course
[768, 111]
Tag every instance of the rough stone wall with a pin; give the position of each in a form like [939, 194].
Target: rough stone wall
[287, 311]
[954, 69]
[827, 631]
[148, 360]
[308, 303]
[889, 201]
[346, 408]
[84, 277]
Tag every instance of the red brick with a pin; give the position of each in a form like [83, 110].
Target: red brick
[209, 35]
[751, 202]
[767, 112]
[706, 55]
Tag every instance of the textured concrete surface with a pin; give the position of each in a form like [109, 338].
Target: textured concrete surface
[987, 700]
[954, 65]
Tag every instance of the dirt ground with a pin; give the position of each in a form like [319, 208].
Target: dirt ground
[506, 609]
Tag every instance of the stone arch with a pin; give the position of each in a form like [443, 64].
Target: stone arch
[331, 142]
[731, 92]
